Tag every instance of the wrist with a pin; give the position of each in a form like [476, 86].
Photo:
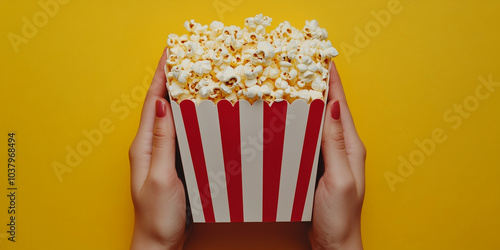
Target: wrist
[141, 240]
[350, 241]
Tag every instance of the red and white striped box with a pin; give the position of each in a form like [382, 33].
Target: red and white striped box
[249, 162]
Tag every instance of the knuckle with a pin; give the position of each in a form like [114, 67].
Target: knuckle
[159, 141]
[346, 187]
[135, 198]
[342, 185]
[361, 149]
[159, 137]
[132, 152]
[340, 143]
[336, 136]
[156, 183]
[361, 193]
[161, 185]
[356, 149]
[162, 136]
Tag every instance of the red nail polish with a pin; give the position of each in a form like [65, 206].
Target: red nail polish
[160, 109]
[336, 110]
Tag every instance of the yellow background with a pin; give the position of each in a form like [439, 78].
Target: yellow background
[399, 84]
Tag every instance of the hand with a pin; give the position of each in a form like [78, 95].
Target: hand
[340, 192]
[157, 192]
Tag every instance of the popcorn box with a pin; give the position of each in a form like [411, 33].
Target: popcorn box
[249, 162]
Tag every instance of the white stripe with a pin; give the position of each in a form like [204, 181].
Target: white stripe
[187, 164]
[251, 123]
[306, 215]
[296, 122]
[208, 120]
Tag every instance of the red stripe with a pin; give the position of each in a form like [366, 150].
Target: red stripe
[229, 122]
[306, 162]
[188, 110]
[273, 136]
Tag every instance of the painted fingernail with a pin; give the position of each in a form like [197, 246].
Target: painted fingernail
[336, 110]
[160, 109]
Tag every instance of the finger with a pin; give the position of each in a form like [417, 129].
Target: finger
[140, 150]
[163, 152]
[353, 145]
[333, 144]
[336, 92]
[158, 89]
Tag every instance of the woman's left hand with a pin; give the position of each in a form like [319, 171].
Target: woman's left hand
[157, 192]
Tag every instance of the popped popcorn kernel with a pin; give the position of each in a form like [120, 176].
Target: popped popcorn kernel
[215, 62]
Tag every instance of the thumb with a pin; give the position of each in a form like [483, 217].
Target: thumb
[333, 142]
[163, 150]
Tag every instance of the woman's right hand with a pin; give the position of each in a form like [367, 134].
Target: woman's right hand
[340, 192]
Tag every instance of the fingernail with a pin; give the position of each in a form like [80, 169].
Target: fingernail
[160, 109]
[336, 110]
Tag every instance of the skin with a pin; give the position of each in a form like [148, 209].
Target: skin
[157, 192]
[340, 192]
[159, 198]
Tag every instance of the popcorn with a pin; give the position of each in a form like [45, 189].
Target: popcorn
[175, 90]
[304, 95]
[216, 28]
[221, 55]
[182, 40]
[214, 90]
[231, 38]
[263, 91]
[302, 67]
[281, 84]
[180, 75]
[236, 60]
[194, 50]
[172, 40]
[202, 67]
[313, 30]
[193, 27]
[229, 80]
[217, 62]
[205, 92]
[271, 72]
[251, 72]
[279, 94]
[258, 23]
[316, 94]
[289, 75]
[318, 84]
[250, 92]
[264, 53]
